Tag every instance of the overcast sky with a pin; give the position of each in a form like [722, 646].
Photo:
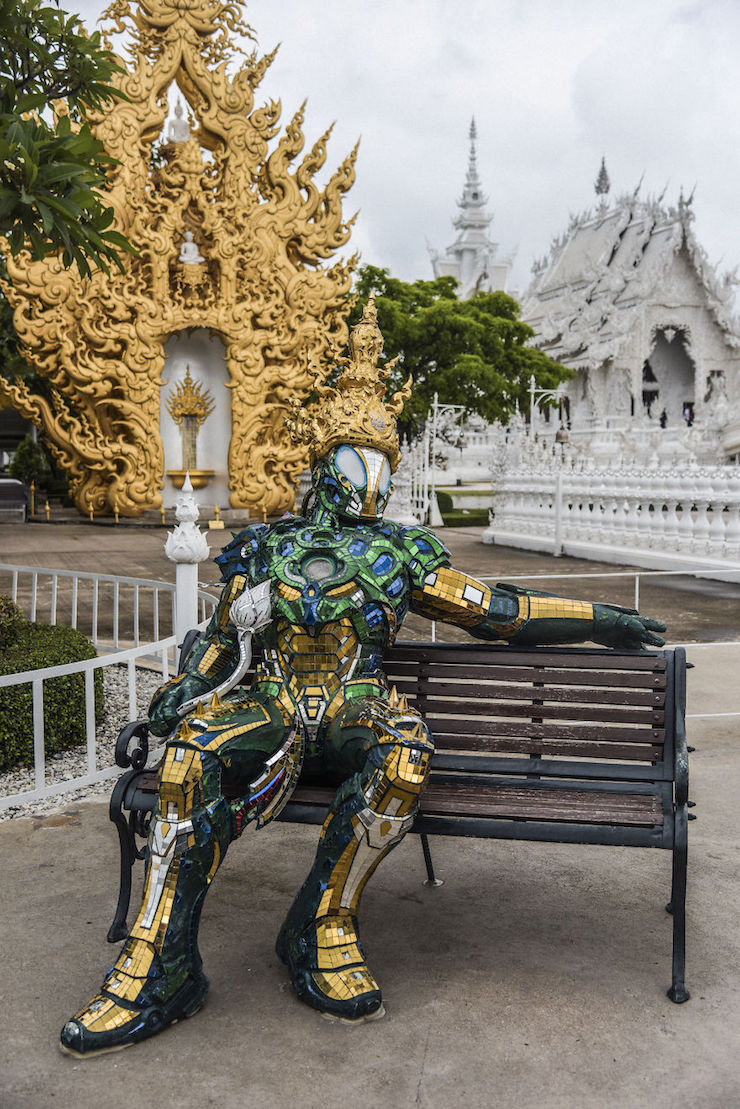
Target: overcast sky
[654, 85]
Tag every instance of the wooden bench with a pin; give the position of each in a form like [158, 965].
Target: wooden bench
[557, 744]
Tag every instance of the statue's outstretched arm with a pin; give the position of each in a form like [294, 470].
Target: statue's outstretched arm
[527, 616]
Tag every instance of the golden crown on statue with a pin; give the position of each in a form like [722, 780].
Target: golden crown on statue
[355, 411]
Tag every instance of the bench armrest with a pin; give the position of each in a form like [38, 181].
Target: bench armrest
[681, 751]
[138, 730]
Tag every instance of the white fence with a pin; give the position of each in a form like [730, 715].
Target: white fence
[420, 477]
[663, 519]
[37, 678]
[110, 610]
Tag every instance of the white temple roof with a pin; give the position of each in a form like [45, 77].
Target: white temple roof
[587, 295]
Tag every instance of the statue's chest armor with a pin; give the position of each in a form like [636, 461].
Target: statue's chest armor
[321, 575]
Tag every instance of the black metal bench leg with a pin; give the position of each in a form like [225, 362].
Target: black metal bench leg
[430, 879]
[677, 907]
[119, 929]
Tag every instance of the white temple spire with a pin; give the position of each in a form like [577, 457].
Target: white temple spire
[602, 183]
[472, 197]
[472, 258]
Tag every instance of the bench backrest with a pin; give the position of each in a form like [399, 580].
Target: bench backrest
[557, 703]
[558, 710]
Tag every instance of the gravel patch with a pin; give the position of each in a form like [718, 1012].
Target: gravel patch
[72, 763]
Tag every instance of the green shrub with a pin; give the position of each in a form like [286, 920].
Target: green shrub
[460, 517]
[11, 619]
[34, 647]
[30, 463]
[466, 518]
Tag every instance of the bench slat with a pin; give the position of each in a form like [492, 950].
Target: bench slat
[633, 752]
[464, 655]
[562, 805]
[572, 730]
[580, 714]
[638, 679]
[566, 695]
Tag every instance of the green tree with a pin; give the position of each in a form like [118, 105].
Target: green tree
[29, 463]
[52, 168]
[471, 352]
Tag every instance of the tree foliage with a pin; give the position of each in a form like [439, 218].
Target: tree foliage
[52, 168]
[471, 352]
[30, 463]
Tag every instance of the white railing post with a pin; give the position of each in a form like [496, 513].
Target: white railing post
[39, 751]
[557, 546]
[186, 546]
[90, 720]
[732, 530]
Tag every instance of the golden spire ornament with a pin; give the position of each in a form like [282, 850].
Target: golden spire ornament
[355, 411]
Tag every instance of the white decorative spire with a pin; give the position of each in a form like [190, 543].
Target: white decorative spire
[473, 199]
[602, 183]
[187, 543]
[473, 258]
[186, 546]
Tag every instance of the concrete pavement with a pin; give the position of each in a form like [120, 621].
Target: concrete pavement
[534, 977]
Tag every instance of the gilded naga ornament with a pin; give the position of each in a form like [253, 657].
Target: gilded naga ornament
[233, 237]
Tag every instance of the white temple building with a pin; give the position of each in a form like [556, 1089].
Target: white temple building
[473, 257]
[627, 298]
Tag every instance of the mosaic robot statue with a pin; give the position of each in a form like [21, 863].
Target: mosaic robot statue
[322, 595]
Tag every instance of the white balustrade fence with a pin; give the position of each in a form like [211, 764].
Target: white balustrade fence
[110, 610]
[94, 773]
[654, 517]
[420, 477]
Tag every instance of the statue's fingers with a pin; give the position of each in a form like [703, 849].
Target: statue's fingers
[653, 625]
[653, 640]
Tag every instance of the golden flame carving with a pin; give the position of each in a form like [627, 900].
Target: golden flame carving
[265, 231]
[355, 412]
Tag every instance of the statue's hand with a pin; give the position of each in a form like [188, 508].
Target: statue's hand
[252, 609]
[624, 627]
[164, 710]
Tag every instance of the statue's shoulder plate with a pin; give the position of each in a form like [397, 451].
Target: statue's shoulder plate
[238, 556]
[423, 552]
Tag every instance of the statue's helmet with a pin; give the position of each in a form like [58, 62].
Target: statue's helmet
[350, 430]
[353, 481]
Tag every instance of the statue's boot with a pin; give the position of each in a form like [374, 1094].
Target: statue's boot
[369, 815]
[248, 751]
[158, 977]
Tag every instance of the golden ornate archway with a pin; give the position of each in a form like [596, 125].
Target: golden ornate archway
[264, 234]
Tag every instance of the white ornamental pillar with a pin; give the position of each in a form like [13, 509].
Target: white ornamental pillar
[186, 546]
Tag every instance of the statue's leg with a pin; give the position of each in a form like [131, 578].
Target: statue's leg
[222, 769]
[389, 748]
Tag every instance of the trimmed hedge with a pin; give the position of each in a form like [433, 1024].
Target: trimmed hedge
[466, 518]
[460, 517]
[32, 647]
[11, 618]
[444, 500]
